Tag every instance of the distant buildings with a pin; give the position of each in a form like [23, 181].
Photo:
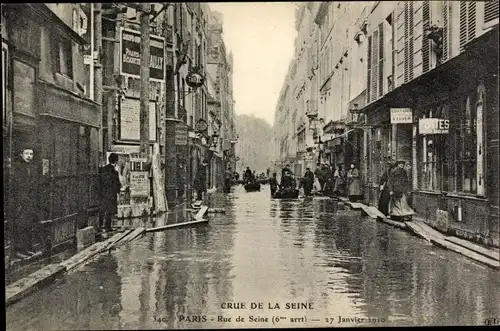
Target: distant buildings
[404, 80]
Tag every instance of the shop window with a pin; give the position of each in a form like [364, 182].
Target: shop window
[434, 155]
[465, 136]
[62, 57]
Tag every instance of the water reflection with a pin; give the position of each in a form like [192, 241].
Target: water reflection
[269, 251]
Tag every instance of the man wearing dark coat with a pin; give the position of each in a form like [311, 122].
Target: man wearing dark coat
[200, 180]
[308, 182]
[247, 177]
[385, 197]
[25, 209]
[110, 188]
[227, 180]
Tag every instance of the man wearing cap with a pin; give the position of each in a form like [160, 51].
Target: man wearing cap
[25, 200]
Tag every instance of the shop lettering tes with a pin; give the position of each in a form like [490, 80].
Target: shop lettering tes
[433, 125]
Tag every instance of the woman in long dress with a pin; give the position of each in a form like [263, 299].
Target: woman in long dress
[354, 184]
[385, 197]
[399, 186]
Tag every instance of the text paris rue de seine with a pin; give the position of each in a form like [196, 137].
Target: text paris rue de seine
[267, 305]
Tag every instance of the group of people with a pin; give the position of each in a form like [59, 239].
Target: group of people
[395, 191]
[334, 181]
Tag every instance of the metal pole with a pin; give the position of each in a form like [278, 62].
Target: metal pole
[144, 110]
[91, 87]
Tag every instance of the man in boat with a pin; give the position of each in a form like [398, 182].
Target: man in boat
[273, 182]
[308, 182]
[284, 171]
[287, 180]
[248, 175]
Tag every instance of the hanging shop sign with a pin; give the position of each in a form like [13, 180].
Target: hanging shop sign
[181, 134]
[195, 80]
[130, 119]
[401, 116]
[433, 126]
[130, 50]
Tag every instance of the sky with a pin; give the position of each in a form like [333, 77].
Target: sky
[261, 36]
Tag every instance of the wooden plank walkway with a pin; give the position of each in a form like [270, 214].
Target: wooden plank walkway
[177, 225]
[490, 253]
[203, 210]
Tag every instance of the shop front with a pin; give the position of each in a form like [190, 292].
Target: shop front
[452, 142]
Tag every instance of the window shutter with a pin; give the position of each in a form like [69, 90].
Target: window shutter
[490, 10]
[407, 60]
[375, 68]
[381, 60]
[471, 21]
[445, 14]
[411, 14]
[463, 24]
[425, 41]
[369, 65]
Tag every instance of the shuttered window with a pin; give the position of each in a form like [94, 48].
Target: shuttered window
[490, 10]
[408, 41]
[411, 14]
[375, 67]
[369, 71]
[467, 22]
[445, 12]
[381, 60]
[425, 41]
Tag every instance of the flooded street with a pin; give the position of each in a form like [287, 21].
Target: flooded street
[329, 263]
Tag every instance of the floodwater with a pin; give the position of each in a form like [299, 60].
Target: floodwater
[268, 263]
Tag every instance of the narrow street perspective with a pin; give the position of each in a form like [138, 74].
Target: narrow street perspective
[274, 252]
[210, 165]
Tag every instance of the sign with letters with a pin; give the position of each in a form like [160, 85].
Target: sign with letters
[401, 116]
[433, 126]
[181, 134]
[130, 50]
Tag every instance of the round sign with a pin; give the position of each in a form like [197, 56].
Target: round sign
[201, 125]
[194, 80]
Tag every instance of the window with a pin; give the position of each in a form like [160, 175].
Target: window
[434, 155]
[5, 71]
[465, 135]
[490, 11]
[467, 22]
[62, 57]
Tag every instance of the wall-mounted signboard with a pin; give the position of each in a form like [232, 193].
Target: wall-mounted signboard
[433, 126]
[401, 116]
[130, 119]
[130, 50]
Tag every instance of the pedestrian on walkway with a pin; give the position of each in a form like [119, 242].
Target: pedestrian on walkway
[308, 182]
[399, 187]
[354, 183]
[109, 188]
[385, 197]
[339, 178]
[227, 180]
[25, 207]
[409, 198]
[200, 180]
[181, 181]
